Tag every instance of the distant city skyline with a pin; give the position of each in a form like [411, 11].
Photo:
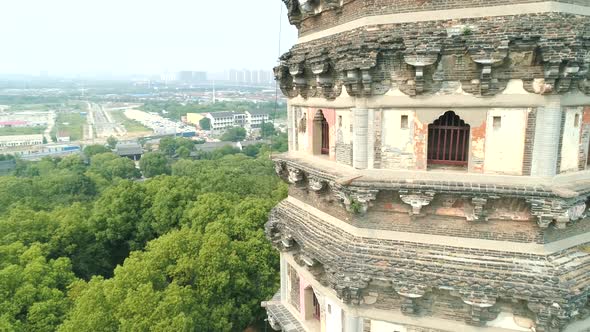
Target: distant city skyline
[70, 38]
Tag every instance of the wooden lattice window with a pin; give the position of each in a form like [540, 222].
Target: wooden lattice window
[448, 141]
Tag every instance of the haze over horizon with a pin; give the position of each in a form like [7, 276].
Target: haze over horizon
[73, 37]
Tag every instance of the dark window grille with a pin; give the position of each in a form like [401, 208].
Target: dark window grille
[448, 141]
[325, 137]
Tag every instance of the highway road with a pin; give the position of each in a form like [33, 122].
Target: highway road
[100, 124]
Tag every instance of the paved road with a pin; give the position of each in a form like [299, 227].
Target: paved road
[100, 124]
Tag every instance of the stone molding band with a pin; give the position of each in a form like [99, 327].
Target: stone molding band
[439, 101]
[449, 14]
[450, 241]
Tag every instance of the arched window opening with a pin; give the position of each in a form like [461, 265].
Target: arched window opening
[322, 134]
[448, 141]
[316, 308]
[325, 137]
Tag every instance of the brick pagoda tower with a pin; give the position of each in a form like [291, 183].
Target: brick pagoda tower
[438, 167]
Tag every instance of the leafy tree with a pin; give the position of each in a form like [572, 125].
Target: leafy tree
[72, 163]
[33, 289]
[267, 129]
[187, 280]
[251, 150]
[117, 220]
[95, 149]
[110, 166]
[168, 146]
[4, 157]
[235, 134]
[205, 123]
[154, 164]
[183, 152]
[112, 142]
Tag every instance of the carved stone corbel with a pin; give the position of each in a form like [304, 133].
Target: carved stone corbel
[488, 58]
[287, 243]
[551, 73]
[325, 79]
[279, 168]
[353, 83]
[316, 184]
[548, 318]
[309, 7]
[274, 324]
[480, 305]
[566, 78]
[548, 210]
[367, 80]
[410, 296]
[584, 75]
[416, 199]
[348, 287]
[296, 70]
[478, 204]
[295, 175]
[419, 62]
[285, 80]
[331, 4]
[355, 200]
[294, 12]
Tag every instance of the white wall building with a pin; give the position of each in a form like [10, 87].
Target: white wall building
[255, 118]
[20, 140]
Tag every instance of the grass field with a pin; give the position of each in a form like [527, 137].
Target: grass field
[21, 131]
[131, 125]
[73, 123]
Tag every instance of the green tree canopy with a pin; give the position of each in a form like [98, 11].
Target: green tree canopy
[94, 149]
[112, 142]
[210, 278]
[235, 134]
[154, 164]
[267, 129]
[33, 289]
[205, 123]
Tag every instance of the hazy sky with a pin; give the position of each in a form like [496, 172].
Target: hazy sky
[139, 36]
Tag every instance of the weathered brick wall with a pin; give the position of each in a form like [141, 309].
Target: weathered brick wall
[355, 9]
[344, 153]
[396, 159]
[378, 158]
[529, 143]
[294, 295]
[584, 140]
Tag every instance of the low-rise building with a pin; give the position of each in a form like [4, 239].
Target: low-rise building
[255, 118]
[131, 150]
[194, 118]
[223, 120]
[20, 140]
[13, 124]
[63, 137]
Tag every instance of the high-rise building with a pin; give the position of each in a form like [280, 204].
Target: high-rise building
[188, 76]
[438, 167]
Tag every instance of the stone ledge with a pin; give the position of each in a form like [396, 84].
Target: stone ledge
[448, 14]
[555, 287]
[279, 317]
[560, 200]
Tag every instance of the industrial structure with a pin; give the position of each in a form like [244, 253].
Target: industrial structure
[438, 167]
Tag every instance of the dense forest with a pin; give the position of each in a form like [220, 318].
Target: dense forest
[88, 244]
